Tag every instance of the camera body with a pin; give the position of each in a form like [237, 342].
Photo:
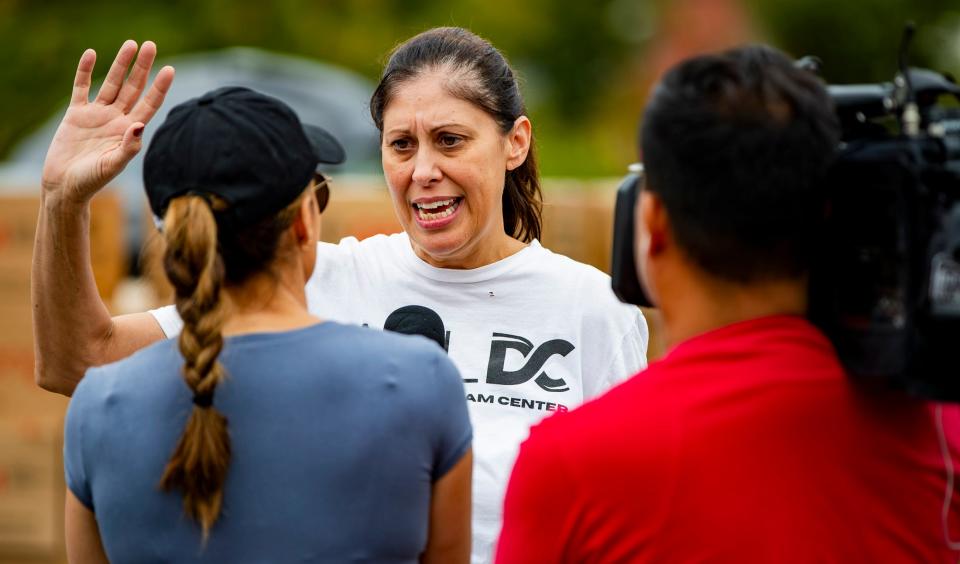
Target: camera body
[885, 282]
[624, 271]
[885, 286]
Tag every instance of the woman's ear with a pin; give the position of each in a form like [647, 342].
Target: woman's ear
[306, 224]
[306, 228]
[518, 142]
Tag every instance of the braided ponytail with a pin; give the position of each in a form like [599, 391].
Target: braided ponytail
[198, 466]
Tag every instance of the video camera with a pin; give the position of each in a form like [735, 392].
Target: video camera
[885, 285]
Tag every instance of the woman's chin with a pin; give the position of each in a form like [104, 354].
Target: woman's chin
[444, 250]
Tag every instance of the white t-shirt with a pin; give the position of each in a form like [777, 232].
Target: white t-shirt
[531, 334]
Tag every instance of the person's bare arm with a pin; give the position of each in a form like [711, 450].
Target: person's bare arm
[449, 536]
[72, 327]
[81, 534]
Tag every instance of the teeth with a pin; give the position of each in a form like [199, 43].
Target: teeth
[435, 205]
[435, 216]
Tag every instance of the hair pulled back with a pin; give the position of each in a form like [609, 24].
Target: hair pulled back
[199, 261]
[478, 73]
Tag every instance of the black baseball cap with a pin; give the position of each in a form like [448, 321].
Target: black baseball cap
[245, 147]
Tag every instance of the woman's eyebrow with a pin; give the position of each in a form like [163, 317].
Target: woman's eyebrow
[446, 124]
[405, 130]
[395, 130]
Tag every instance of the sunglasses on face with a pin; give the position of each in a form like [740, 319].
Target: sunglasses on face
[321, 189]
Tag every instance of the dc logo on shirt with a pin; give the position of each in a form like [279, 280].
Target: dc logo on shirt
[534, 362]
[421, 320]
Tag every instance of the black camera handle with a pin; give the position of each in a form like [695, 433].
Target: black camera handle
[624, 272]
[951, 230]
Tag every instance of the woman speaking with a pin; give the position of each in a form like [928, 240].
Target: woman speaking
[532, 332]
[281, 437]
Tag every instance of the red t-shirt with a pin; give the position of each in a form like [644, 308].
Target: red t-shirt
[745, 444]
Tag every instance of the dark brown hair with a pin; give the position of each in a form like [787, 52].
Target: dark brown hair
[481, 76]
[199, 261]
[737, 144]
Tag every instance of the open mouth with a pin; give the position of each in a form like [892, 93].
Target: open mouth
[438, 209]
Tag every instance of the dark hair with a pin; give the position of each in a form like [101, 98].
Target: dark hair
[199, 261]
[480, 75]
[737, 145]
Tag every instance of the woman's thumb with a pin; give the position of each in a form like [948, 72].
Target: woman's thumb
[132, 140]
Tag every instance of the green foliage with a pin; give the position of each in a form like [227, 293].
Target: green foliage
[858, 41]
[578, 60]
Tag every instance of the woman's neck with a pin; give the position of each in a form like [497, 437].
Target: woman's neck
[268, 303]
[478, 255]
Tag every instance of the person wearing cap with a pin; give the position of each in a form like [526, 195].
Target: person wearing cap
[532, 332]
[262, 433]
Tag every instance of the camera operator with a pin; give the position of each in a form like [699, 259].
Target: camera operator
[747, 442]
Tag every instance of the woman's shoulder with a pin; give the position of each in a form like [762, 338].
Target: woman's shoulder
[560, 262]
[356, 342]
[589, 280]
[591, 288]
[410, 359]
[147, 359]
[136, 373]
[389, 346]
[341, 264]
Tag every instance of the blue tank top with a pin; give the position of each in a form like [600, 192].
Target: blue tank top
[338, 433]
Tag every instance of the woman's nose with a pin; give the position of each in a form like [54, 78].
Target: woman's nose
[425, 170]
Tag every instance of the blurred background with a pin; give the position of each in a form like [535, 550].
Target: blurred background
[586, 69]
[586, 65]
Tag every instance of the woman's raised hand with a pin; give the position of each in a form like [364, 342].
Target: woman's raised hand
[96, 140]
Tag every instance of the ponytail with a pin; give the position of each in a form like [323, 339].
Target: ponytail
[523, 201]
[198, 466]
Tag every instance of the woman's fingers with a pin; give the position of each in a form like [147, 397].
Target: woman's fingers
[134, 84]
[81, 83]
[151, 102]
[113, 82]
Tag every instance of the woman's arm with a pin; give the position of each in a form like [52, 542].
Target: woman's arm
[72, 327]
[448, 540]
[82, 535]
